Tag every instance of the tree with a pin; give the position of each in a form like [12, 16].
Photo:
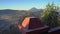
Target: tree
[58, 20]
[50, 14]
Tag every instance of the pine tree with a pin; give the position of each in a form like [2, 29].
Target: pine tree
[49, 16]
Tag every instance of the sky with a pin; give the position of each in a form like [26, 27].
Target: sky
[25, 4]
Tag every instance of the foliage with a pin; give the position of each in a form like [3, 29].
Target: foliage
[59, 21]
[50, 14]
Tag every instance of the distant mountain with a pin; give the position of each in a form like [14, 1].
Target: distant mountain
[7, 11]
[33, 9]
[35, 12]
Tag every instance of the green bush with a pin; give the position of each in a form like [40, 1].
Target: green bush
[50, 14]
